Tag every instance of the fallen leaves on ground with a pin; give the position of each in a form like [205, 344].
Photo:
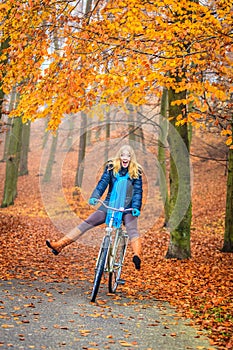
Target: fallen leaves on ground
[199, 288]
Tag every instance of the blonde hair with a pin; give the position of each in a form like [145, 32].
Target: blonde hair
[135, 170]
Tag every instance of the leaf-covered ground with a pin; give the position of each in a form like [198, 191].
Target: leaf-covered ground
[200, 288]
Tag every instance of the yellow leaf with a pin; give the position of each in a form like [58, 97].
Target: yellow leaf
[229, 141]
[7, 326]
[125, 344]
[226, 132]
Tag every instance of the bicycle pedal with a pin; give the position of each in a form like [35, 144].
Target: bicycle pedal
[121, 281]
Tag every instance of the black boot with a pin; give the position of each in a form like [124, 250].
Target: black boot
[137, 262]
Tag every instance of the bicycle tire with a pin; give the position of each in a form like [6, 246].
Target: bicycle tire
[100, 268]
[114, 276]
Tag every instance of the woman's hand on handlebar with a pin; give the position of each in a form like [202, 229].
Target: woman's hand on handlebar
[93, 201]
[135, 212]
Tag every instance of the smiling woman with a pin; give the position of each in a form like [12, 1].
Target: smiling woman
[125, 159]
[123, 178]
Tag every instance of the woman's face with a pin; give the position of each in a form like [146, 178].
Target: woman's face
[125, 159]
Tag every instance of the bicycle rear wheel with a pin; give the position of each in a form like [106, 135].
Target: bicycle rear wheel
[100, 267]
[114, 276]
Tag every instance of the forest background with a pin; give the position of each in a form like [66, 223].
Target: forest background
[97, 73]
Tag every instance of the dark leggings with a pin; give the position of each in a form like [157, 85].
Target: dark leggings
[98, 218]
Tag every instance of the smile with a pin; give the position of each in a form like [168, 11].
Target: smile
[125, 163]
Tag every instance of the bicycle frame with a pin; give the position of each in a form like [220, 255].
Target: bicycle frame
[119, 232]
[107, 257]
[113, 242]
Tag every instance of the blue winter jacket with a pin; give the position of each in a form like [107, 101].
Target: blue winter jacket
[134, 188]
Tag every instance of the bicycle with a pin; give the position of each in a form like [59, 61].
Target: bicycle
[111, 255]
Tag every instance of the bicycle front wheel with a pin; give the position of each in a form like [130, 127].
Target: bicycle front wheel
[100, 267]
[118, 258]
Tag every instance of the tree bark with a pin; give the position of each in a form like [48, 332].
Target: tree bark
[162, 140]
[23, 167]
[69, 140]
[51, 160]
[180, 208]
[107, 136]
[228, 234]
[13, 97]
[83, 129]
[12, 163]
[82, 151]
[3, 46]
[131, 126]
[46, 134]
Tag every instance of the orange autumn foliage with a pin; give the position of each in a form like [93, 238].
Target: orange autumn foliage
[121, 51]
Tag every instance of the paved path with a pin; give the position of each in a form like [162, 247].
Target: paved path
[38, 315]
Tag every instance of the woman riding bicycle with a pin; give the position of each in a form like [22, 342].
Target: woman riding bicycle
[123, 167]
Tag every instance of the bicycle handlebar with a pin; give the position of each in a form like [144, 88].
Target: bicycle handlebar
[114, 209]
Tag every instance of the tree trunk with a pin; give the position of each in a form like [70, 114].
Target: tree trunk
[3, 46]
[98, 131]
[46, 134]
[162, 141]
[23, 167]
[83, 129]
[12, 163]
[180, 208]
[69, 140]
[7, 138]
[13, 98]
[51, 160]
[143, 142]
[82, 151]
[228, 235]
[131, 125]
[107, 136]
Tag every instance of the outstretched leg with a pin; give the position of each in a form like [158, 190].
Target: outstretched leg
[137, 248]
[95, 219]
[132, 230]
